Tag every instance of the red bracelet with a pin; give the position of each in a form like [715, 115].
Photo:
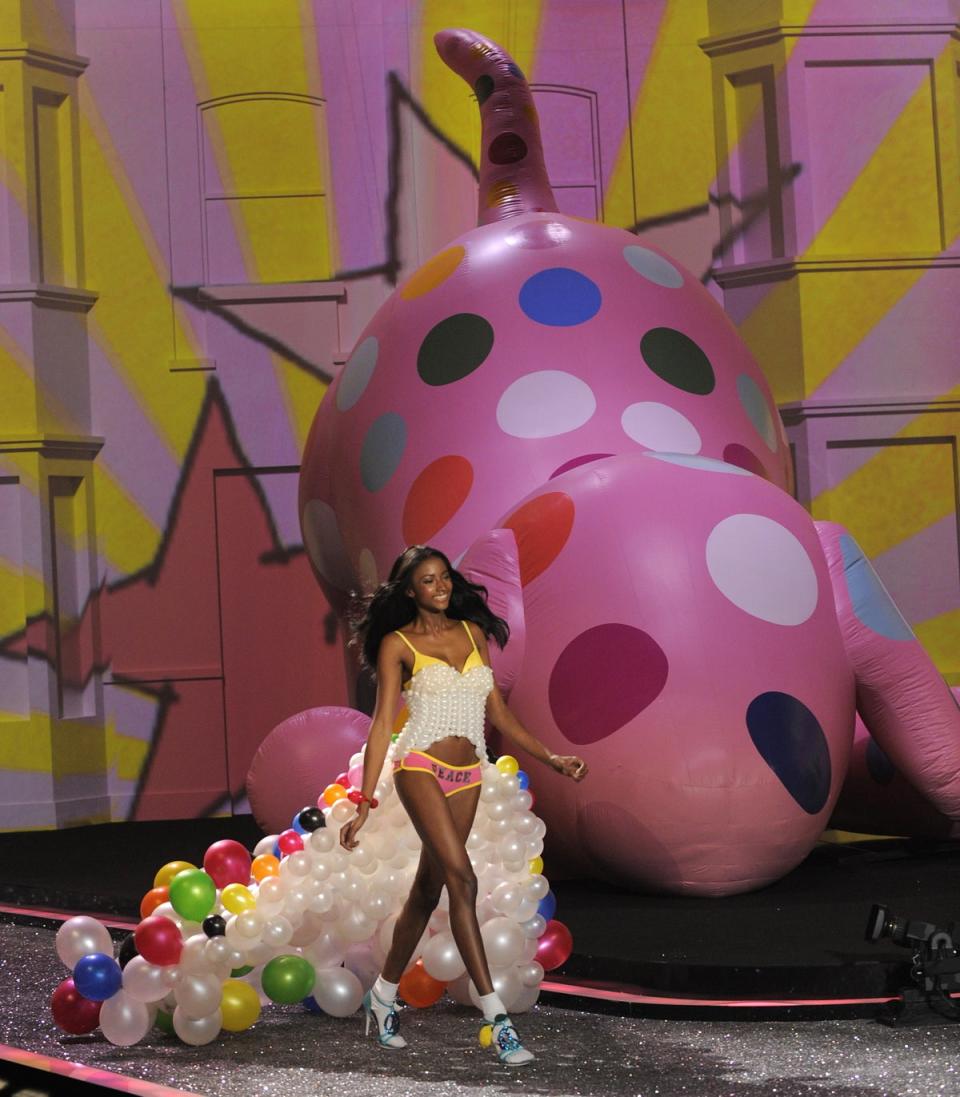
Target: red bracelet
[355, 796]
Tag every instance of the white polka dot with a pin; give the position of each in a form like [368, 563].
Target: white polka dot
[707, 464]
[325, 545]
[367, 566]
[544, 404]
[357, 373]
[660, 427]
[654, 267]
[762, 568]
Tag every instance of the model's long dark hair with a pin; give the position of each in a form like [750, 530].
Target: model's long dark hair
[390, 608]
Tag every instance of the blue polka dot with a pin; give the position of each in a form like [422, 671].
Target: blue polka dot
[382, 450]
[791, 742]
[560, 297]
[879, 766]
[871, 604]
[707, 464]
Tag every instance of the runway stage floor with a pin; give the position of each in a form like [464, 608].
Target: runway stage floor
[801, 939]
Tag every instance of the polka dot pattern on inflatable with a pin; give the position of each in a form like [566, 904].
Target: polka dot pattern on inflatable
[790, 740]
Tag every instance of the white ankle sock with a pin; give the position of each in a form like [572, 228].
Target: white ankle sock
[492, 1006]
[386, 992]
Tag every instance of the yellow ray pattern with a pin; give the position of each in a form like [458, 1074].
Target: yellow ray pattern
[672, 121]
[233, 47]
[941, 637]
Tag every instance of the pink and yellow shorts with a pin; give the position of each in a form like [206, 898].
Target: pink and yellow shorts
[451, 779]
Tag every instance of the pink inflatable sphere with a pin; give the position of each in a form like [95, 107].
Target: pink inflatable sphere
[523, 349]
[681, 636]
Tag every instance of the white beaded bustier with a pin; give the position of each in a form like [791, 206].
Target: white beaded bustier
[443, 701]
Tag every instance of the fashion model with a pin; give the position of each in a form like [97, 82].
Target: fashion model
[425, 632]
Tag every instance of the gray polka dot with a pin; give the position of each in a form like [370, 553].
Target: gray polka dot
[382, 450]
[357, 373]
[655, 268]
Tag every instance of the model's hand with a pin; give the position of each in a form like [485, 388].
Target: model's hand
[570, 766]
[348, 832]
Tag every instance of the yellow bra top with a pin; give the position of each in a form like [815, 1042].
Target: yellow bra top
[420, 660]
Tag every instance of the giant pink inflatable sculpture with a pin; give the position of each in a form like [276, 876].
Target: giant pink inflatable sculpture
[571, 415]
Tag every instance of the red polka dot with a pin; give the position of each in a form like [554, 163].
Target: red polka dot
[541, 527]
[575, 462]
[435, 497]
[603, 679]
[743, 458]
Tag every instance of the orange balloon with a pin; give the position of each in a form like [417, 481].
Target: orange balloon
[153, 899]
[263, 866]
[333, 793]
[418, 987]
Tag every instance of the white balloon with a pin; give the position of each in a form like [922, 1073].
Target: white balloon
[327, 949]
[506, 985]
[124, 1020]
[79, 937]
[533, 927]
[361, 960]
[342, 811]
[523, 801]
[198, 995]
[197, 1031]
[321, 841]
[459, 990]
[524, 999]
[249, 925]
[338, 992]
[265, 845]
[441, 958]
[277, 931]
[502, 942]
[357, 926]
[296, 865]
[193, 955]
[531, 973]
[144, 982]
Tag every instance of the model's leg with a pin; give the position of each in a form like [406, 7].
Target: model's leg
[421, 903]
[443, 824]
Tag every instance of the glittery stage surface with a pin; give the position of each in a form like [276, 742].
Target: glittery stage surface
[291, 1052]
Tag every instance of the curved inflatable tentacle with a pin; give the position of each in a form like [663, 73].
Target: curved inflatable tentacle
[494, 561]
[901, 697]
[513, 177]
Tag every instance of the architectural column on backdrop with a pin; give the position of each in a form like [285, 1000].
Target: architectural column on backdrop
[53, 756]
[837, 143]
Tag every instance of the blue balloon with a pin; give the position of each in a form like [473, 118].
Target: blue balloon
[548, 906]
[97, 976]
[310, 1003]
[276, 851]
[297, 825]
[523, 778]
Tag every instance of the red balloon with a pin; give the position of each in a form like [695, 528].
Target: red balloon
[418, 987]
[72, 1012]
[227, 862]
[344, 780]
[158, 940]
[554, 946]
[289, 841]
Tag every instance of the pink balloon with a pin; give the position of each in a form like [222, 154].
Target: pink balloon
[228, 862]
[554, 946]
[296, 759]
[289, 841]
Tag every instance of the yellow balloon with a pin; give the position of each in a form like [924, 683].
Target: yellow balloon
[240, 1005]
[486, 1035]
[506, 763]
[169, 870]
[536, 866]
[236, 898]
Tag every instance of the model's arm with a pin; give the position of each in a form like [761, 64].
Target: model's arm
[389, 677]
[504, 721]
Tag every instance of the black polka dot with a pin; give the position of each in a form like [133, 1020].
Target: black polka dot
[508, 148]
[879, 766]
[483, 87]
[790, 740]
[676, 359]
[454, 348]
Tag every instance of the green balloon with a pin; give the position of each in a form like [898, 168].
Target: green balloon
[164, 1021]
[238, 971]
[288, 979]
[192, 894]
